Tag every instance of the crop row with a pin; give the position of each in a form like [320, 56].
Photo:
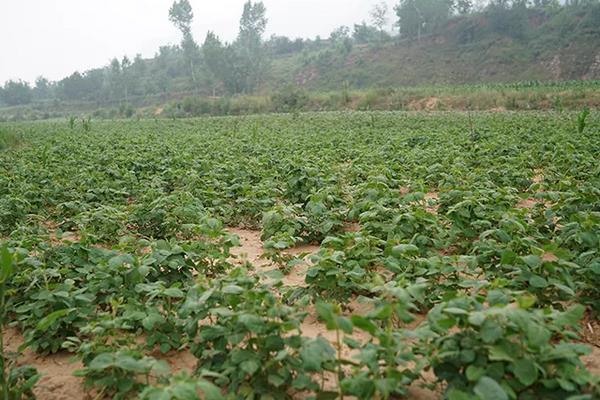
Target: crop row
[473, 242]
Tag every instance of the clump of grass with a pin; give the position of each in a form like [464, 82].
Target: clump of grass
[581, 120]
[9, 139]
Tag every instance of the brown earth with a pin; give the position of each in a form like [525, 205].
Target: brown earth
[426, 104]
[432, 202]
[57, 382]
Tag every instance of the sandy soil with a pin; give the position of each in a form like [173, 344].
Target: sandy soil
[57, 382]
[251, 250]
[425, 104]
[538, 175]
[432, 202]
[529, 203]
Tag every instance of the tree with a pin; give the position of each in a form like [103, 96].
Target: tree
[339, 34]
[126, 77]
[464, 7]
[240, 66]
[42, 88]
[115, 66]
[419, 17]
[508, 18]
[364, 33]
[138, 74]
[125, 63]
[278, 45]
[114, 79]
[340, 37]
[379, 17]
[16, 93]
[72, 87]
[253, 22]
[249, 44]
[181, 15]
[216, 60]
[410, 19]
[190, 53]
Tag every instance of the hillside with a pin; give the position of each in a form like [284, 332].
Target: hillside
[565, 46]
[551, 43]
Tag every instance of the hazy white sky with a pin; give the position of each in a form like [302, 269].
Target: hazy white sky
[57, 37]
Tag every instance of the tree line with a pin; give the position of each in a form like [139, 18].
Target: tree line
[215, 67]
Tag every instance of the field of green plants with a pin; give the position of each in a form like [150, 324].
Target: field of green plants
[440, 255]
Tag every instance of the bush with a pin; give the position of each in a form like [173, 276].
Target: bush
[8, 139]
[289, 99]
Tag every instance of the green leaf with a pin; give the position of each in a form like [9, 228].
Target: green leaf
[315, 352]
[474, 373]
[500, 353]
[275, 380]
[455, 394]
[120, 260]
[455, 311]
[532, 260]
[403, 249]
[233, 289]
[491, 331]
[488, 389]
[152, 320]
[165, 348]
[210, 391]
[476, 318]
[250, 366]
[252, 322]
[6, 264]
[538, 282]
[174, 293]
[537, 335]
[364, 324]
[321, 395]
[326, 313]
[526, 301]
[382, 312]
[184, 391]
[128, 363]
[102, 362]
[508, 257]
[526, 371]
[49, 319]
[344, 324]
[571, 316]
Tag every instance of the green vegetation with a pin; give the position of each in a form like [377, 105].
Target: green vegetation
[456, 250]
[8, 138]
[16, 383]
[440, 43]
[523, 96]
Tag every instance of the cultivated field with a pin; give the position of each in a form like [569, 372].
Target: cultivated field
[358, 255]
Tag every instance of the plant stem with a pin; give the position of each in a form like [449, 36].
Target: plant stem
[339, 363]
[3, 381]
[390, 353]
